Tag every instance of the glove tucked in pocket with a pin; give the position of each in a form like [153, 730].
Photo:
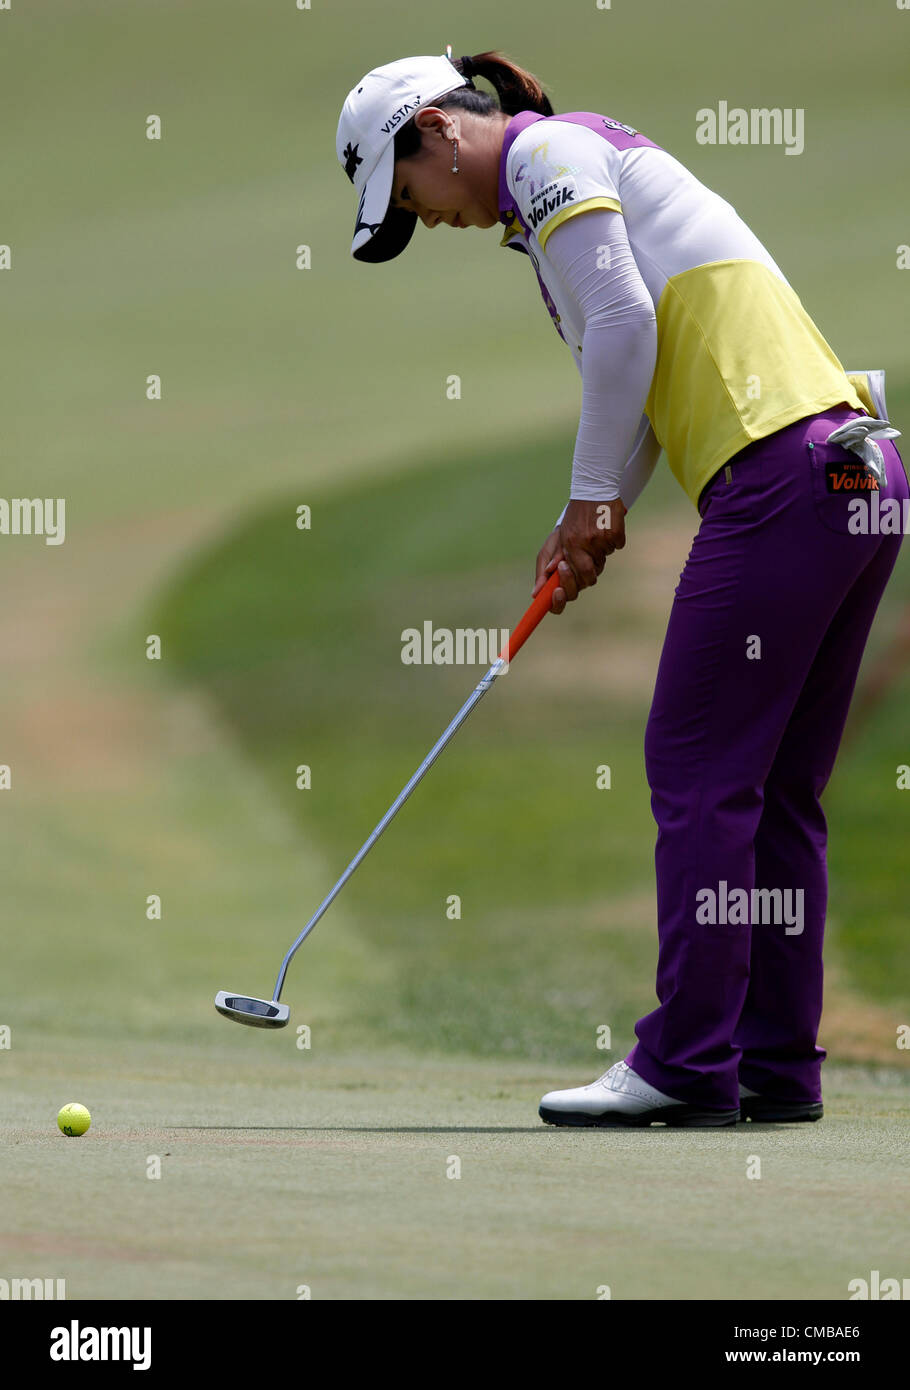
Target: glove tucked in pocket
[859, 436]
[838, 477]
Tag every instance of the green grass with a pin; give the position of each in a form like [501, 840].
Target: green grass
[284, 1168]
[869, 818]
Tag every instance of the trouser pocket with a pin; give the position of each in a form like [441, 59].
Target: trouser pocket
[839, 477]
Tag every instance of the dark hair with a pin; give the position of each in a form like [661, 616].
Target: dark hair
[516, 90]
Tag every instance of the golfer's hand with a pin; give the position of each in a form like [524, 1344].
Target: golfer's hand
[579, 546]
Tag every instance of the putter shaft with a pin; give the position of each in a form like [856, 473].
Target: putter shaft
[523, 630]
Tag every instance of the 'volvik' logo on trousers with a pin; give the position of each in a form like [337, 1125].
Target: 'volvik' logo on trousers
[850, 477]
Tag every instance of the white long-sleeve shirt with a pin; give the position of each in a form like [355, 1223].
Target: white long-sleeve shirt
[615, 448]
[671, 307]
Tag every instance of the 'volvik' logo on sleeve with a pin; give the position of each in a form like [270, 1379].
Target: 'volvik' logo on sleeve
[558, 194]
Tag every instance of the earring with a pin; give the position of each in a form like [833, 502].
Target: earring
[455, 164]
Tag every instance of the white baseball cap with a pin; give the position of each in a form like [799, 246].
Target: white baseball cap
[375, 109]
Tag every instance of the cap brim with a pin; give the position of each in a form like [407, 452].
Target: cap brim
[381, 232]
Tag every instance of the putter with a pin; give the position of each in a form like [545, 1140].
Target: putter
[269, 1013]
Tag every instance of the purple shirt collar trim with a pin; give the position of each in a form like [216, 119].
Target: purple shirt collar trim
[516, 125]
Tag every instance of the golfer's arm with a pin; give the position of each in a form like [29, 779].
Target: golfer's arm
[638, 469]
[615, 448]
[640, 464]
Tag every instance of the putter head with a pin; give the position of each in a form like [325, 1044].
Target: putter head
[256, 1013]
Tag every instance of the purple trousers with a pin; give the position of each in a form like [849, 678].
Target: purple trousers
[763, 646]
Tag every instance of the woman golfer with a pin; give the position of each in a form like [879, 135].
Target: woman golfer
[689, 339]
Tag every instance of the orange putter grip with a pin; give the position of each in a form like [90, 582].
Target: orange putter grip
[539, 606]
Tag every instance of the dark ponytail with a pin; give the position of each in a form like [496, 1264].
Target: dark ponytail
[516, 90]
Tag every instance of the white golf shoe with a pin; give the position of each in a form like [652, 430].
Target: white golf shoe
[623, 1098]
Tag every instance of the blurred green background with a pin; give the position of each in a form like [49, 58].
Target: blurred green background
[327, 387]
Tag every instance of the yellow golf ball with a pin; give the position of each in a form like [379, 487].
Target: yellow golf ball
[74, 1119]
